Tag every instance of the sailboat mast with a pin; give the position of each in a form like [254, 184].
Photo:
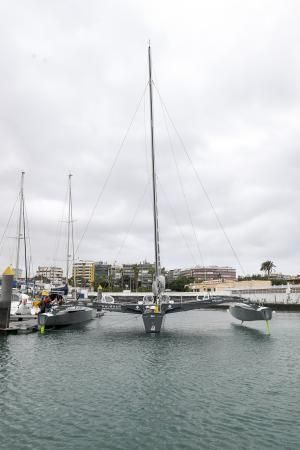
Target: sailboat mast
[155, 213]
[69, 228]
[72, 240]
[25, 245]
[19, 235]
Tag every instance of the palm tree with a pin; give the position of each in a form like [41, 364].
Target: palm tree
[267, 267]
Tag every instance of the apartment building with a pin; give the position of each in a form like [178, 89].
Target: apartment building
[102, 270]
[52, 273]
[84, 273]
[202, 273]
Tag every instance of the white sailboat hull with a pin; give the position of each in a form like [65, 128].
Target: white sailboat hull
[72, 315]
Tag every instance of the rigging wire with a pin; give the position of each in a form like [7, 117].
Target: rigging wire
[72, 239]
[71, 225]
[177, 223]
[25, 244]
[110, 171]
[183, 192]
[182, 187]
[71, 262]
[160, 185]
[146, 140]
[8, 223]
[132, 221]
[201, 184]
[144, 191]
[58, 233]
[30, 267]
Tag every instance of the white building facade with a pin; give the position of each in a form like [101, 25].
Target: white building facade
[52, 273]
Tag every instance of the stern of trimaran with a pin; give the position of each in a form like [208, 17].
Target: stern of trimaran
[153, 314]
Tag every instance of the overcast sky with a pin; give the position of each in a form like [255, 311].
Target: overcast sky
[72, 74]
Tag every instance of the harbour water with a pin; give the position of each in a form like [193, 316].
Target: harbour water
[204, 383]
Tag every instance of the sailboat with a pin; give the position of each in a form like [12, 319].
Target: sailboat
[64, 315]
[24, 307]
[153, 308]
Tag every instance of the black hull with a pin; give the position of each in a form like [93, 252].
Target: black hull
[249, 313]
[152, 321]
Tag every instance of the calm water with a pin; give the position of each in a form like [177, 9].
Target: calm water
[203, 383]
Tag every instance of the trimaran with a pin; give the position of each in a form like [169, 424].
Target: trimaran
[154, 307]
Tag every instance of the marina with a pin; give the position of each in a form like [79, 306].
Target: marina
[150, 294]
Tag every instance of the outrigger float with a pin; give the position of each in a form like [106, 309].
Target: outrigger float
[250, 313]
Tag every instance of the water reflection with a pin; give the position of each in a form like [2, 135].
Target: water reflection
[249, 331]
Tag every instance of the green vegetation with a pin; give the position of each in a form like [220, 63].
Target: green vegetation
[252, 277]
[267, 267]
[274, 281]
[278, 281]
[179, 284]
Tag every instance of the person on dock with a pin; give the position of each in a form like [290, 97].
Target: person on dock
[42, 306]
[47, 302]
[23, 307]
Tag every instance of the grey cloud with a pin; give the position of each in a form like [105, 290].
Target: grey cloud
[70, 78]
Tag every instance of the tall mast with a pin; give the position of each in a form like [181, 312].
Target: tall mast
[155, 213]
[25, 245]
[70, 221]
[19, 232]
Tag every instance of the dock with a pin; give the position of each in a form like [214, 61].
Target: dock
[27, 326]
